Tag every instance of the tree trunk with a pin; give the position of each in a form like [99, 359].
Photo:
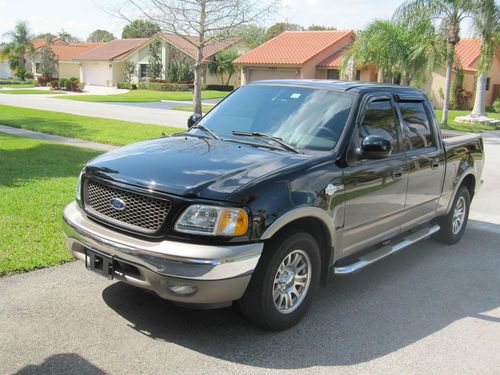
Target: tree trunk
[198, 65]
[480, 97]
[380, 76]
[450, 59]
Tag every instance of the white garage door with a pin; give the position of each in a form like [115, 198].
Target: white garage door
[263, 74]
[96, 73]
[4, 69]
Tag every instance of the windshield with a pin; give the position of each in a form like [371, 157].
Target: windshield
[305, 118]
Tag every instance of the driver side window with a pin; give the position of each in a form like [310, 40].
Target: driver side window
[380, 120]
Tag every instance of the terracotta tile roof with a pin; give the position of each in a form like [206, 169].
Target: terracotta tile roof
[114, 50]
[333, 61]
[467, 52]
[40, 42]
[189, 49]
[294, 47]
[72, 51]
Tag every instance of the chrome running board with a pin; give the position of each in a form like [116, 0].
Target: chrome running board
[385, 251]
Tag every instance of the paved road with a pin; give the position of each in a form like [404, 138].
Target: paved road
[432, 309]
[149, 113]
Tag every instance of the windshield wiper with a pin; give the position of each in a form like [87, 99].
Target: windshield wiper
[269, 137]
[206, 130]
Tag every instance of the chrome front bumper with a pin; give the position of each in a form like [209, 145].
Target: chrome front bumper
[219, 274]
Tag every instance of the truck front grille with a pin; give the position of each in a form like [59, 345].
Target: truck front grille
[139, 212]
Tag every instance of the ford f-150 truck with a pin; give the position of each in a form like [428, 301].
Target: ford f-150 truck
[279, 185]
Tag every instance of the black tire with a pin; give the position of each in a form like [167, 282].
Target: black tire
[448, 234]
[258, 304]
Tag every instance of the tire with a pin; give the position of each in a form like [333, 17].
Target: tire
[451, 231]
[278, 300]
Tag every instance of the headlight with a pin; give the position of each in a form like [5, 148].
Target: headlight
[79, 187]
[213, 221]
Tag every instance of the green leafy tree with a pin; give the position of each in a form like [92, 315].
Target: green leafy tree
[67, 37]
[486, 23]
[450, 14]
[18, 44]
[140, 29]
[279, 27]
[45, 36]
[48, 60]
[155, 65]
[253, 35]
[100, 36]
[129, 70]
[223, 66]
[414, 49]
[320, 28]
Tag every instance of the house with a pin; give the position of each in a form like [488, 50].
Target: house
[466, 57]
[66, 54]
[301, 54]
[5, 71]
[105, 65]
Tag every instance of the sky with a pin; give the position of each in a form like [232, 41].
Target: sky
[81, 17]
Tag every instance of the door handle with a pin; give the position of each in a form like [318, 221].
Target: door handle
[435, 164]
[397, 174]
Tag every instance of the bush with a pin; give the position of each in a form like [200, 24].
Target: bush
[42, 80]
[163, 86]
[218, 87]
[21, 73]
[73, 84]
[496, 105]
[62, 83]
[54, 84]
[29, 75]
[126, 85]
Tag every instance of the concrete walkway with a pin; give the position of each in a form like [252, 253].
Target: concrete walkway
[56, 138]
[149, 113]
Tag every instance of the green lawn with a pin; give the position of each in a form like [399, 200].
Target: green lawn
[145, 96]
[471, 128]
[34, 91]
[189, 108]
[37, 180]
[94, 129]
[17, 85]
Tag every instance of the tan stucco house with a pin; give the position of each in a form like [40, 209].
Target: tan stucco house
[301, 55]
[466, 57]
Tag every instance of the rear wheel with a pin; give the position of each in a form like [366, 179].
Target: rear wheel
[283, 285]
[453, 225]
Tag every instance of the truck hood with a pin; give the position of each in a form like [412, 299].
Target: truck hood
[191, 166]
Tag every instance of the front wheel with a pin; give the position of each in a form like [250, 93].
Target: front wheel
[282, 286]
[453, 225]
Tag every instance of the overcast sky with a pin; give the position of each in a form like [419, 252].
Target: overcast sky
[81, 17]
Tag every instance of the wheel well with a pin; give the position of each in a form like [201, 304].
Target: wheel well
[470, 183]
[319, 231]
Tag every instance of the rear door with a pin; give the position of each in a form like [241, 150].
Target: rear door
[426, 161]
[375, 190]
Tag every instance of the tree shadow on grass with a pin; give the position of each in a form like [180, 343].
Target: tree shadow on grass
[354, 319]
[24, 159]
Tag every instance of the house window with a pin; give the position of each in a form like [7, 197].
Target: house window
[143, 70]
[488, 84]
[332, 74]
[37, 68]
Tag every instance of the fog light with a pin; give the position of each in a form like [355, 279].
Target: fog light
[182, 290]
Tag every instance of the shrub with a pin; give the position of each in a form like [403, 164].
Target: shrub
[29, 75]
[73, 84]
[54, 84]
[163, 86]
[496, 105]
[62, 83]
[218, 87]
[126, 85]
[42, 80]
[21, 73]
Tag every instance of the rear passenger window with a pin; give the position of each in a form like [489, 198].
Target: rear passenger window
[416, 125]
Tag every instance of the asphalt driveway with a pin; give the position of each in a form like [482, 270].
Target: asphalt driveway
[432, 309]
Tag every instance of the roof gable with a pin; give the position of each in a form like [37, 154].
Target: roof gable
[66, 52]
[294, 47]
[189, 49]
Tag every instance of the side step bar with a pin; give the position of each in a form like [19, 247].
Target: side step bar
[385, 251]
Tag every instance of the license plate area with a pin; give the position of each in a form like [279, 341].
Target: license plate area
[100, 263]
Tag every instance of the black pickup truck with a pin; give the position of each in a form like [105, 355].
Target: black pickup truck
[279, 185]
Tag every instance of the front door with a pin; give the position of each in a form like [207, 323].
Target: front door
[375, 189]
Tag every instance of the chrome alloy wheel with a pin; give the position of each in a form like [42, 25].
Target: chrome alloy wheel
[459, 215]
[291, 282]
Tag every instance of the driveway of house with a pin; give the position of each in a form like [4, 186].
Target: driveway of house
[432, 309]
[149, 113]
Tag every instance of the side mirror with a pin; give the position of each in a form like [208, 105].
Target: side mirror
[376, 147]
[193, 119]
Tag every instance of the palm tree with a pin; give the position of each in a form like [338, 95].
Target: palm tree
[413, 53]
[487, 27]
[450, 14]
[223, 64]
[18, 46]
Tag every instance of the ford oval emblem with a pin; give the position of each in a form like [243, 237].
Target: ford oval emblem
[117, 204]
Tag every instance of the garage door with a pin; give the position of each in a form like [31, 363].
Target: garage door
[263, 74]
[96, 73]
